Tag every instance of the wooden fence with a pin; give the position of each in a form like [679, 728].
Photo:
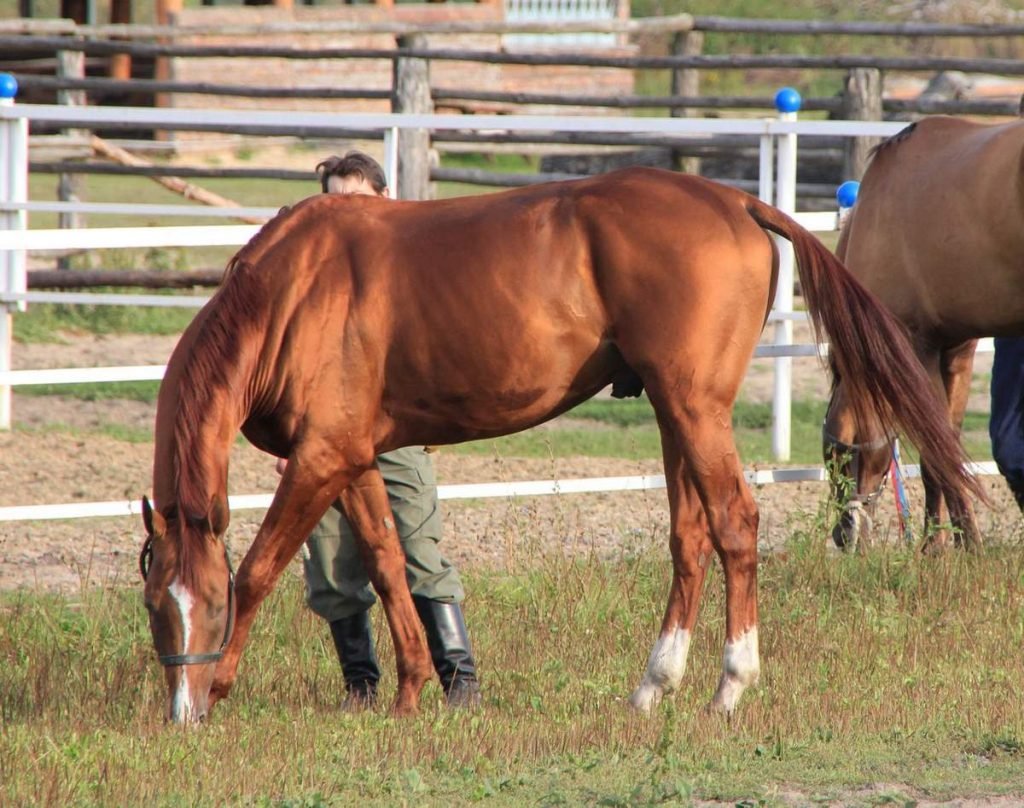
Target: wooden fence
[416, 48]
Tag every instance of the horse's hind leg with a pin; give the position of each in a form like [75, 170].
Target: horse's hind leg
[691, 549]
[952, 378]
[700, 430]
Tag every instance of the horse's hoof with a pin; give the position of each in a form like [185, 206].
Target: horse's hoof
[645, 698]
[715, 708]
[936, 544]
[405, 708]
[853, 530]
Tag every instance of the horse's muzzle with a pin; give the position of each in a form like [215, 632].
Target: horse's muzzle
[854, 526]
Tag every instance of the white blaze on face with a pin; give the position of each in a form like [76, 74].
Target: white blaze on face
[665, 669]
[741, 667]
[181, 705]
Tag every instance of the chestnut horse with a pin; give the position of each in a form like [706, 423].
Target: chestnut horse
[937, 234]
[350, 326]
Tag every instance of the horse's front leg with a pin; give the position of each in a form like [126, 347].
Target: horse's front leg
[953, 381]
[309, 484]
[367, 507]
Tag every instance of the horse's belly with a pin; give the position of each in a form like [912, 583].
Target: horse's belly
[475, 396]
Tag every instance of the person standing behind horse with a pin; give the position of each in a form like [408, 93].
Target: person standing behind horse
[337, 586]
[1006, 418]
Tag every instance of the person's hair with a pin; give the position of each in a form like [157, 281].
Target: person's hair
[353, 164]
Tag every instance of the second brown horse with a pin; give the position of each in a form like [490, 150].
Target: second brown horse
[938, 234]
[350, 326]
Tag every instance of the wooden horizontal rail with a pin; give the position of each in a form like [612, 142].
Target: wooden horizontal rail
[73, 167]
[855, 28]
[140, 278]
[122, 86]
[637, 25]
[574, 58]
[450, 97]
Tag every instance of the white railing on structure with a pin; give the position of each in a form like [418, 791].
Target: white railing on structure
[777, 136]
[560, 11]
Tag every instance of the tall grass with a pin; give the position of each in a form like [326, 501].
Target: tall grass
[887, 669]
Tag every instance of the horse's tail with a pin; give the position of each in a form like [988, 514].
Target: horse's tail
[871, 350]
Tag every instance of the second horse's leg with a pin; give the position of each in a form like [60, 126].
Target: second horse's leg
[951, 372]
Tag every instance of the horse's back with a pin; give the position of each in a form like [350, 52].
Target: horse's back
[939, 216]
[936, 152]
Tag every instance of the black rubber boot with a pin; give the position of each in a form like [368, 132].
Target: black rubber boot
[450, 650]
[353, 640]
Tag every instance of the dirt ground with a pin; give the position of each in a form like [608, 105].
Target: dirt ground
[41, 463]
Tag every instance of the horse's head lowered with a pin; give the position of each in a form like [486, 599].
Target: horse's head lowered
[858, 473]
[858, 457]
[189, 594]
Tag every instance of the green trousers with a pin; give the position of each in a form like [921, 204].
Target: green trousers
[337, 585]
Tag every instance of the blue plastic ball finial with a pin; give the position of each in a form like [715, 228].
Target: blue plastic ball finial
[8, 85]
[788, 100]
[846, 194]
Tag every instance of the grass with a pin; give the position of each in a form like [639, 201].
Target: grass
[597, 428]
[48, 322]
[630, 432]
[97, 391]
[881, 669]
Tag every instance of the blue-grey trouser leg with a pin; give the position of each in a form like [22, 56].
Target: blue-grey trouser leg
[1006, 421]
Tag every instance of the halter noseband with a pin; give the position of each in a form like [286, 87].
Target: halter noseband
[853, 449]
[170, 660]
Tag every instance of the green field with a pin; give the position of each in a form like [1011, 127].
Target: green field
[886, 679]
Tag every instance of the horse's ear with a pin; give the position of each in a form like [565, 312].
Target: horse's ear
[154, 521]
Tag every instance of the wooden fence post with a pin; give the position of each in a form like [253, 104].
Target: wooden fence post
[121, 63]
[686, 82]
[70, 64]
[862, 101]
[410, 93]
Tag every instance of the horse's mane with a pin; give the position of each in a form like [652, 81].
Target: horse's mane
[895, 140]
[886, 145]
[214, 376]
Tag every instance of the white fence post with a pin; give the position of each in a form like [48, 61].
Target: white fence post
[766, 170]
[13, 188]
[391, 137]
[787, 101]
[846, 197]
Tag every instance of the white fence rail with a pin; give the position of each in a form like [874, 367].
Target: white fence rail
[778, 138]
[523, 488]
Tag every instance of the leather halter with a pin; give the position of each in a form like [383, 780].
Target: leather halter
[853, 449]
[170, 660]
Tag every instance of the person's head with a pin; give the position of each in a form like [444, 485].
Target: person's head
[355, 173]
